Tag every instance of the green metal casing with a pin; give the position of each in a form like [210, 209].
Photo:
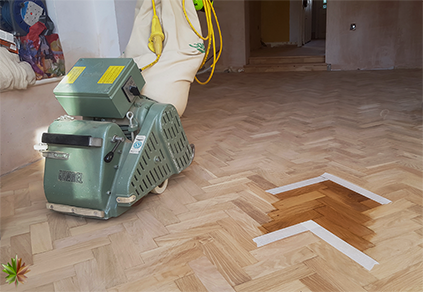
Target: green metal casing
[165, 151]
[93, 87]
[77, 177]
[89, 177]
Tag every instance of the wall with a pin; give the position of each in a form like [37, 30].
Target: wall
[388, 35]
[295, 21]
[92, 28]
[232, 16]
[408, 44]
[125, 13]
[81, 31]
[24, 116]
[254, 24]
[275, 21]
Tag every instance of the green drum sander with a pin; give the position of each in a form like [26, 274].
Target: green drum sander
[114, 146]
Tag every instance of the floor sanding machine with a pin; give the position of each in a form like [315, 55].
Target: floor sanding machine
[124, 147]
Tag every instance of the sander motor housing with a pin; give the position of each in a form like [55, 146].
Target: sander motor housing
[122, 148]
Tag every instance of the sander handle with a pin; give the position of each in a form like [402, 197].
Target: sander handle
[109, 156]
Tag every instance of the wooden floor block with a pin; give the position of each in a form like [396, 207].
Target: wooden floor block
[276, 279]
[190, 283]
[280, 223]
[318, 284]
[40, 238]
[209, 276]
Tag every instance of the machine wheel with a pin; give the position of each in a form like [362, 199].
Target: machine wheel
[160, 188]
[193, 150]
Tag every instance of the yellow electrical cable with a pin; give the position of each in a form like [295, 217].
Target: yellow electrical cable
[151, 64]
[209, 10]
[154, 7]
[156, 37]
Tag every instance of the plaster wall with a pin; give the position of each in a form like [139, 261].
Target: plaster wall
[408, 46]
[232, 16]
[388, 35]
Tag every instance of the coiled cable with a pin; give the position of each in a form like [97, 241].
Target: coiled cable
[210, 38]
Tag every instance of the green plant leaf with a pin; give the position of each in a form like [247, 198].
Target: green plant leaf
[9, 270]
[14, 262]
[10, 279]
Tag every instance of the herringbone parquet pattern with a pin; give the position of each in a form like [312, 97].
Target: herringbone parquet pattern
[334, 207]
[252, 132]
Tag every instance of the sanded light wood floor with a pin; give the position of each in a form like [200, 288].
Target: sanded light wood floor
[252, 132]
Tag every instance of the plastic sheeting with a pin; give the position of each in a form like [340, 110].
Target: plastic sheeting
[14, 74]
[169, 80]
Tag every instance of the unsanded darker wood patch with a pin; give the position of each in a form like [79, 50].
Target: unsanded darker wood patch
[334, 207]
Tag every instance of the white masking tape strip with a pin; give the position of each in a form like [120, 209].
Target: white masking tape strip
[342, 246]
[357, 189]
[297, 185]
[335, 179]
[279, 234]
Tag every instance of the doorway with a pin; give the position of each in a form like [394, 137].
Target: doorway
[307, 21]
[319, 19]
[298, 22]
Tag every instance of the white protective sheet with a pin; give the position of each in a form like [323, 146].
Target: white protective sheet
[169, 80]
[14, 74]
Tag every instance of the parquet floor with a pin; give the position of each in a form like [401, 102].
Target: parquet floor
[334, 207]
[252, 132]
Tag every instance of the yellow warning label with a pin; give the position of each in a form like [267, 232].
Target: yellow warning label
[110, 75]
[74, 74]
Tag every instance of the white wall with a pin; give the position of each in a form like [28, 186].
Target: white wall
[92, 28]
[125, 14]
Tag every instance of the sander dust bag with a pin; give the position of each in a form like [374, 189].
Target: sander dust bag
[169, 80]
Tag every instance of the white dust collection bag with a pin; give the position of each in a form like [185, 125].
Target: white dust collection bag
[169, 80]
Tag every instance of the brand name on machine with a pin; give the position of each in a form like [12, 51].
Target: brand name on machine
[70, 176]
